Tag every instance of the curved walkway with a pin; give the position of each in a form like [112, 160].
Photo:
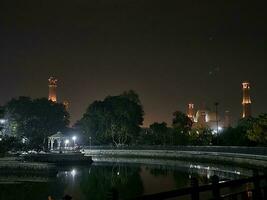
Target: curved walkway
[200, 156]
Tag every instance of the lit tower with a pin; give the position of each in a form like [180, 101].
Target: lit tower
[66, 103]
[246, 100]
[52, 85]
[191, 111]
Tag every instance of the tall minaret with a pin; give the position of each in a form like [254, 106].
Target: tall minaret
[246, 100]
[66, 103]
[52, 85]
[191, 111]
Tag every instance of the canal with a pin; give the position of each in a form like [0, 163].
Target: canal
[132, 177]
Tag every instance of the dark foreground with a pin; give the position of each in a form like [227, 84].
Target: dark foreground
[96, 181]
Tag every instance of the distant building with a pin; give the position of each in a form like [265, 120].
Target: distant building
[52, 92]
[205, 118]
[52, 85]
[246, 103]
[66, 103]
[212, 120]
[191, 111]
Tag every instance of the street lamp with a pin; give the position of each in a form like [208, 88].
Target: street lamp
[216, 112]
[66, 143]
[74, 138]
[217, 120]
[90, 140]
[3, 121]
[73, 173]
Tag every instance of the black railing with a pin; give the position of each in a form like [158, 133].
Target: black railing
[257, 191]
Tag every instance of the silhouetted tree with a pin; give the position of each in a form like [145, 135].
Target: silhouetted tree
[258, 131]
[160, 133]
[117, 119]
[181, 127]
[34, 119]
[238, 136]
[200, 136]
[181, 122]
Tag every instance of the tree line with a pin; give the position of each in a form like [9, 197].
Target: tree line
[116, 120]
[31, 122]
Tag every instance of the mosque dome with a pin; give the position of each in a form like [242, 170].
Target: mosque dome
[201, 115]
[211, 117]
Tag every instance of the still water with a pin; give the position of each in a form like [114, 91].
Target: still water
[131, 177]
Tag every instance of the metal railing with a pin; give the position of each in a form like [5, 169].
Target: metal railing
[258, 191]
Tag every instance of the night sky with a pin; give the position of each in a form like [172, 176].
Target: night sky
[169, 52]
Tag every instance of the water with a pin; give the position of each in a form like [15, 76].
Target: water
[130, 176]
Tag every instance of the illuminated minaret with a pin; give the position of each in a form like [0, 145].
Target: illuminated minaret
[66, 103]
[191, 111]
[52, 85]
[246, 100]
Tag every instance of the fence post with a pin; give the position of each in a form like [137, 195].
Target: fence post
[265, 185]
[215, 187]
[195, 189]
[256, 182]
[113, 194]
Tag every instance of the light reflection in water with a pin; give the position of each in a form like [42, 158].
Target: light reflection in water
[95, 181]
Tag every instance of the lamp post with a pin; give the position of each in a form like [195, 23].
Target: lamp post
[66, 143]
[217, 121]
[90, 140]
[74, 138]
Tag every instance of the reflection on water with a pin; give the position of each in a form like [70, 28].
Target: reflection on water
[95, 181]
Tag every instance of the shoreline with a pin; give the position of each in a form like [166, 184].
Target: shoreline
[233, 159]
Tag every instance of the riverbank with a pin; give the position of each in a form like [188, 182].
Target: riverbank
[60, 159]
[247, 160]
[10, 166]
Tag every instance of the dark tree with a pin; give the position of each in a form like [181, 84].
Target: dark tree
[9, 144]
[238, 136]
[95, 123]
[159, 133]
[258, 131]
[117, 119]
[181, 122]
[200, 136]
[2, 112]
[132, 96]
[181, 127]
[35, 119]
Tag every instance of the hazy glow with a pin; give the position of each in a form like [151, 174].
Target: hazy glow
[73, 173]
[3, 121]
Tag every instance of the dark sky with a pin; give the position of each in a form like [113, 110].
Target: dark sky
[170, 52]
